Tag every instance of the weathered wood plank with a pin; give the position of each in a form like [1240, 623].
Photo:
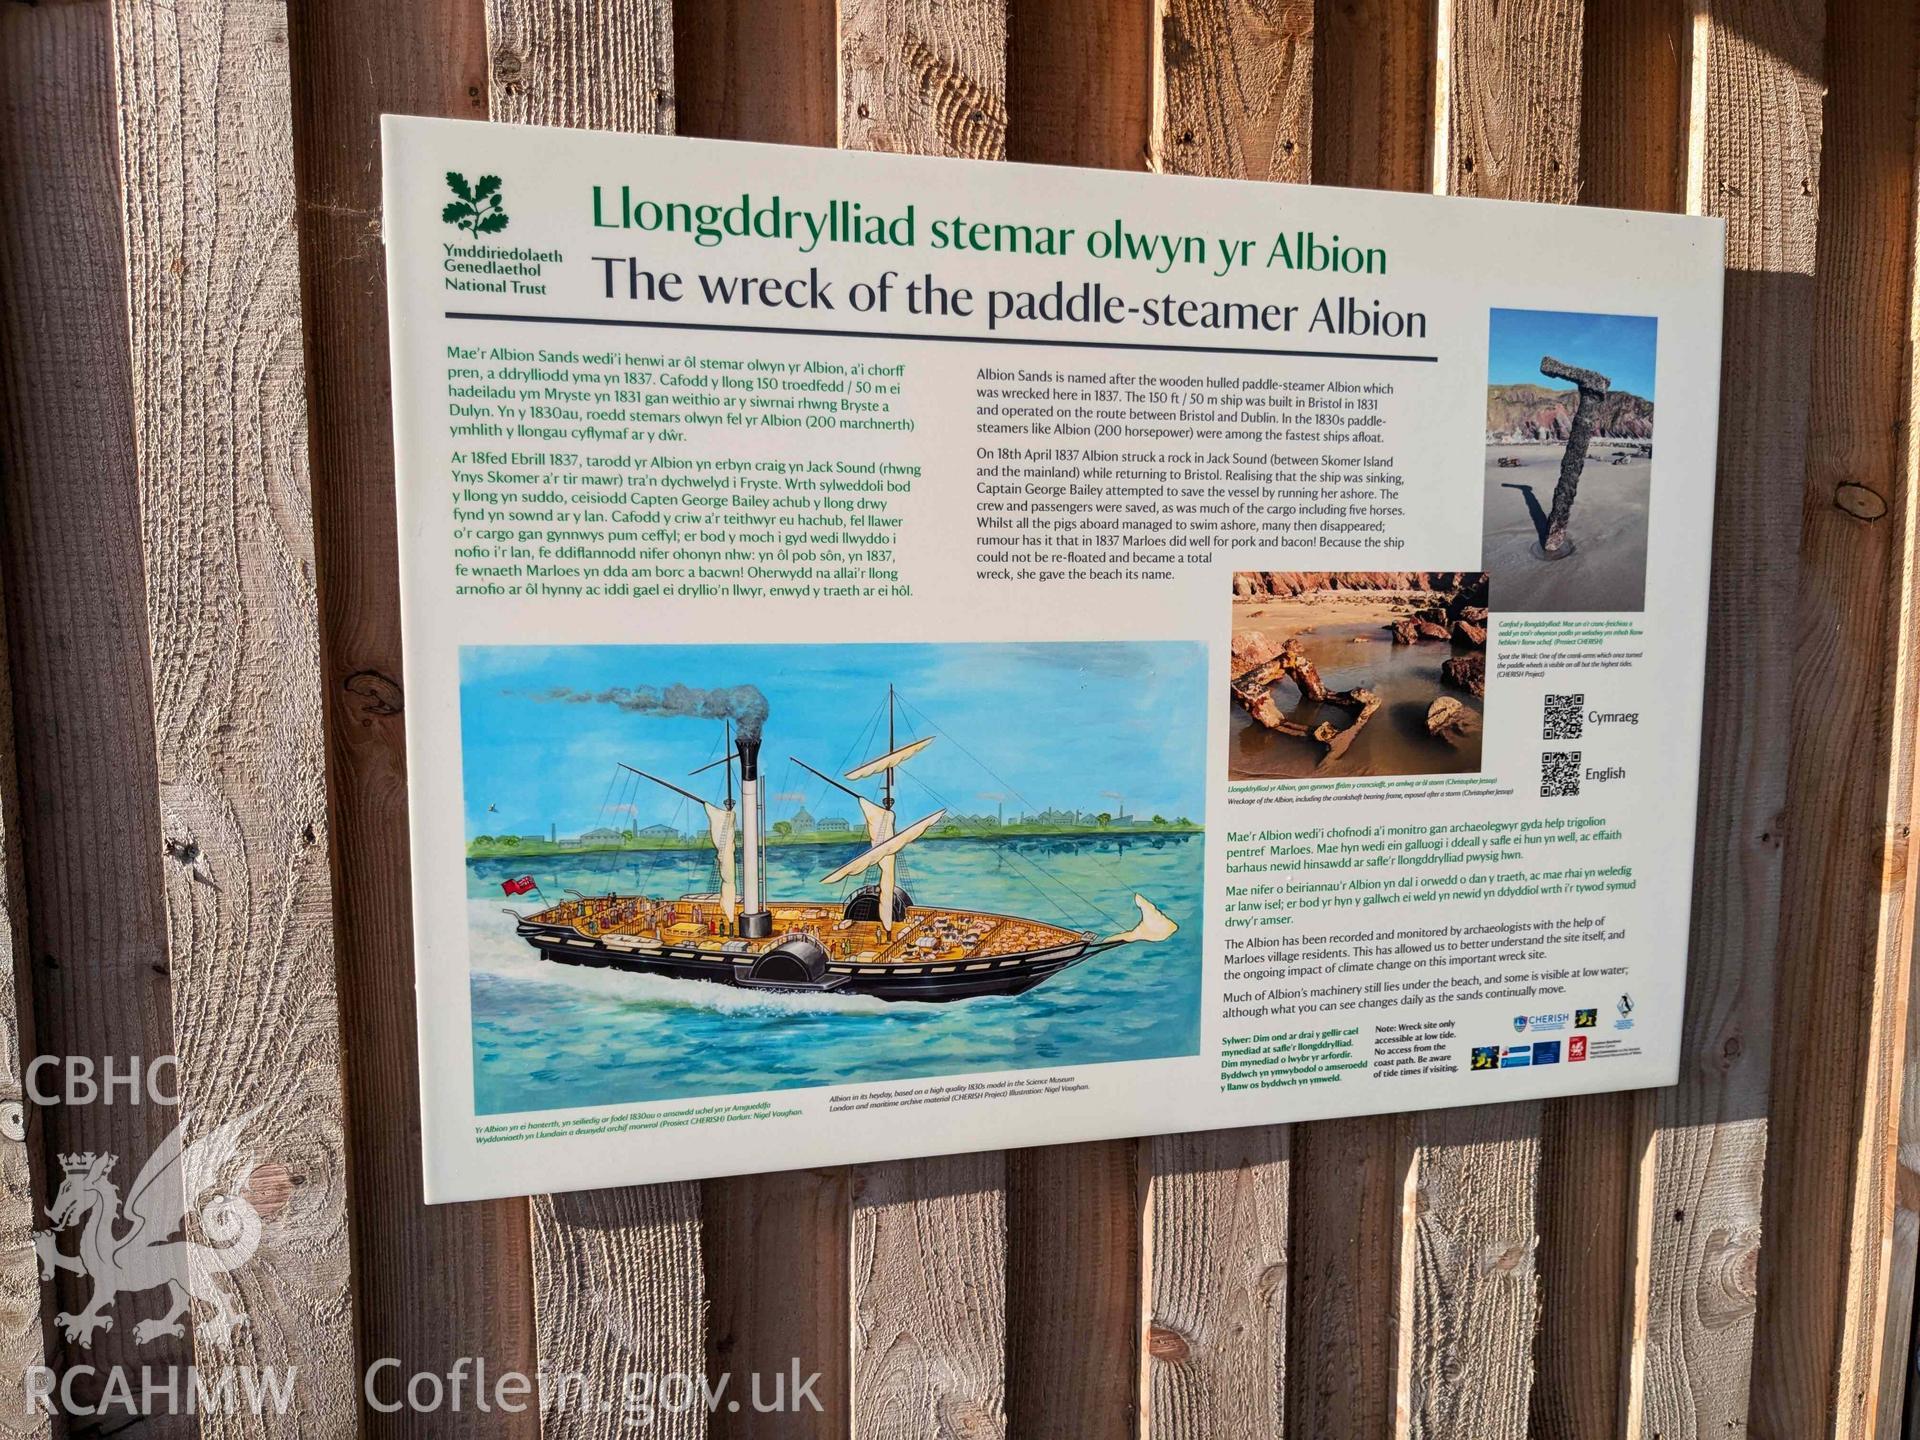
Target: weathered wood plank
[220, 440]
[1214, 1208]
[1235, 98]
[432, 1284]
[928, 1287]
[618, 1297]
[1372, 102]
[1073, 1297]
[1753, 156]
[1475, 1284]
[1846, 912]
[1079, 90]
[597, 66]
[1373, 93]
[617, 1275]
[1510, 125]
[924, 77]
[748, 70]
[927, 1277]
[1507, 81]
[1594, 1217]
[82, 719]
[775, 1254]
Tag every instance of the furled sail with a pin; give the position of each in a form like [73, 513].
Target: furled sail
[889, 760]
[879, 829]
[1153, 924]
[720, 823]
[886, 849]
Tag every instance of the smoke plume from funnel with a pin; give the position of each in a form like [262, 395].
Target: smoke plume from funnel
[742, 704]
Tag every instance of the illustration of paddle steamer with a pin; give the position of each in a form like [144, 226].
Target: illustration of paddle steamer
[877, 942]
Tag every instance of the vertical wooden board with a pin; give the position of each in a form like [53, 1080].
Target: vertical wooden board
[774, 1251]
[924, 77]
[1510, 124]
[1755, 80]
[928, 1299]
[1594, 1219]
[220, 441]
[75, 597]
[1347, 1180]
[1372, 105]
[748, 70]
[1374, 93]
[1507, 82]
[1079, 88]
[432, 1283]
[1235, 98]
[1475, 1287]
[1073, 1298]
[618, 1295]
[618, 1279]
[598, 66]
[1214, 1208]
[1846, 913]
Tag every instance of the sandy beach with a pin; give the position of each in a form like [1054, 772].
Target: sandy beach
[1608, 569]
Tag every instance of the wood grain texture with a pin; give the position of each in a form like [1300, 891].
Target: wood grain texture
[1506, 125]
[1595, 1216]
[1343, 1261]
[1235, 98]
[928, 1296]
[1373, 93]
[76, 611]
[1475, 1287]
[220, 439]
[432, 1284]
[924, 77]
[1511, 124]
[774, 1250]
[617, 1275]
[1214, 1208]
[594, 64]
[1846, 913]
[24, 1336]
[1754, 150]
[1073, 1290]
[749, 70]
[1079, 88]
[618, 1298]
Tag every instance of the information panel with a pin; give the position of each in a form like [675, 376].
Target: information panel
[908, 656]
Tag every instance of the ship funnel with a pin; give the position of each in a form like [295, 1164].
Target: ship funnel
[755, 921]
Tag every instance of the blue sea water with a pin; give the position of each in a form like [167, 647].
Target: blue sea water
[548, 1036]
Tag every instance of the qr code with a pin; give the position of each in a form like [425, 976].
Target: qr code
[1562, 718]
[1560, 772]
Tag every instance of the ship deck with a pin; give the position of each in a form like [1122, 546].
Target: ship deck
[927, 934]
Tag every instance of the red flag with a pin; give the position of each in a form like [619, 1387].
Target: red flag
[518, 887]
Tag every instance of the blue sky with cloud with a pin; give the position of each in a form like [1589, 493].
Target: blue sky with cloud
[1620, 347]
[1047, 725]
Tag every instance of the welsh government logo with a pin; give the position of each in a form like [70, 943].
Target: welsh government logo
[479, 208]
[127, 1249]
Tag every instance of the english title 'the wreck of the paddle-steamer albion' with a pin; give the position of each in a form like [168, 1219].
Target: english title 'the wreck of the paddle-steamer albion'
[876, 942]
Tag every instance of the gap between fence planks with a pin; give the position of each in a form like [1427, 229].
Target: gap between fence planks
[1753, 157]
[1846, 916]
[220, 439]
[617, 1273]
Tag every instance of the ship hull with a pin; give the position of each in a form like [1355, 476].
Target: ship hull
[743, 965]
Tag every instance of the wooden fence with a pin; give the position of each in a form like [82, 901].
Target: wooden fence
[207, 854]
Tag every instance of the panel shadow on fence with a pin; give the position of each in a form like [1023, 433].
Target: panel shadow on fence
[198, 498]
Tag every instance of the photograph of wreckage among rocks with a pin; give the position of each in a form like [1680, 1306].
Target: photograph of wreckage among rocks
[1569, 466]
[1356, 673]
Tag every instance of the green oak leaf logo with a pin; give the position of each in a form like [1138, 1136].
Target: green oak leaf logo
[479, 210]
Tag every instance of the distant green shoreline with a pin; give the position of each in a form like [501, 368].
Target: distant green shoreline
[530, 849]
